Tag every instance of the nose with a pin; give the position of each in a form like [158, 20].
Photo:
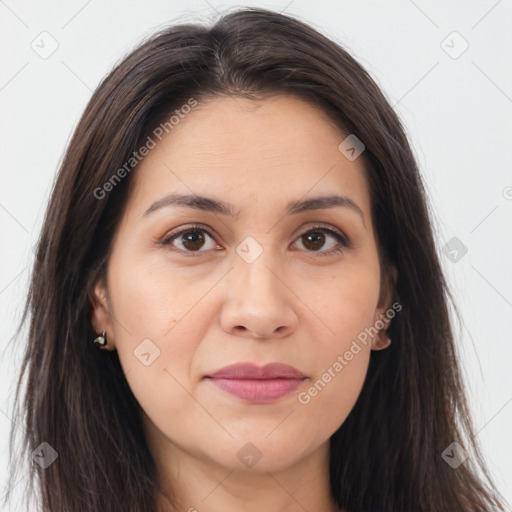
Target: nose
[259, 303]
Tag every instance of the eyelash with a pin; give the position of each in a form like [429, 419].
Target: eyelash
[343, 242]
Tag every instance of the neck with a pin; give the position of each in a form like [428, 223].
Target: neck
[199, 485]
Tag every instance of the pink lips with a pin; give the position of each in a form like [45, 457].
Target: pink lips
[258, 384]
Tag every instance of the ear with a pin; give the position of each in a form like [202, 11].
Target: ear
[381, 319]
[101, 318]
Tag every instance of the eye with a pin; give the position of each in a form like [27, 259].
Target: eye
[194, 238]
[191, 240]
[314, 239]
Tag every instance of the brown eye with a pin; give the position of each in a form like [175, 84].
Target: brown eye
[194, 240]
[191, 240]
[313, 240]
[325, 241]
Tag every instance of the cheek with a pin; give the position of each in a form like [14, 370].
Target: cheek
[154, 299]
[144, 299]
[341, 364]
[345, 304]
[342, 345]
[156, 329]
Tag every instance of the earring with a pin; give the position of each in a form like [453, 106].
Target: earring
[383, 345]
[101, 340]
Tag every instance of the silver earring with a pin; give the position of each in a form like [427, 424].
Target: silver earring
[101, 340]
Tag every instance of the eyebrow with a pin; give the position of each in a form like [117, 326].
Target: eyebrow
[208, 204]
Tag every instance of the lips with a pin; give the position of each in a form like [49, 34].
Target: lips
[252, 371]
[261, 384]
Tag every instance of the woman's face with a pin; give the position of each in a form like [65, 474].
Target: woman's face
[267, 284]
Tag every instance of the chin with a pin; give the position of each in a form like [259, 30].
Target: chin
[261, 455]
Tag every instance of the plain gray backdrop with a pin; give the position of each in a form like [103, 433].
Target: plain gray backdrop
[446, 67]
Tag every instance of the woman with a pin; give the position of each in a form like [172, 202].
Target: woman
[240, 227]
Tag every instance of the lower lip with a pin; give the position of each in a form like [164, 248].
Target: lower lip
[258, 390]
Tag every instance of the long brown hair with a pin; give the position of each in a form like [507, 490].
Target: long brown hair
[387, 455]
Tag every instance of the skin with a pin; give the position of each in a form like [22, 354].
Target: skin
[205, 312]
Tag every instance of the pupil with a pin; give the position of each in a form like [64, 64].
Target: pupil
[195, 238]
[313, 238]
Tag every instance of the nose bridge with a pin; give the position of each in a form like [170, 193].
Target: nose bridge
[257, 301]
[256, 267]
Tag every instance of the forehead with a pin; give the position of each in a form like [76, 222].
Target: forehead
[252, 153]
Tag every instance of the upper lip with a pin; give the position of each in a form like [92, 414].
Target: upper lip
[253, 371]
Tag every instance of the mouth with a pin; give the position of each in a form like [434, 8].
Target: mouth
[258, 384]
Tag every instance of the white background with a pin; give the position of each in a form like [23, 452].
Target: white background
[457, 112]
